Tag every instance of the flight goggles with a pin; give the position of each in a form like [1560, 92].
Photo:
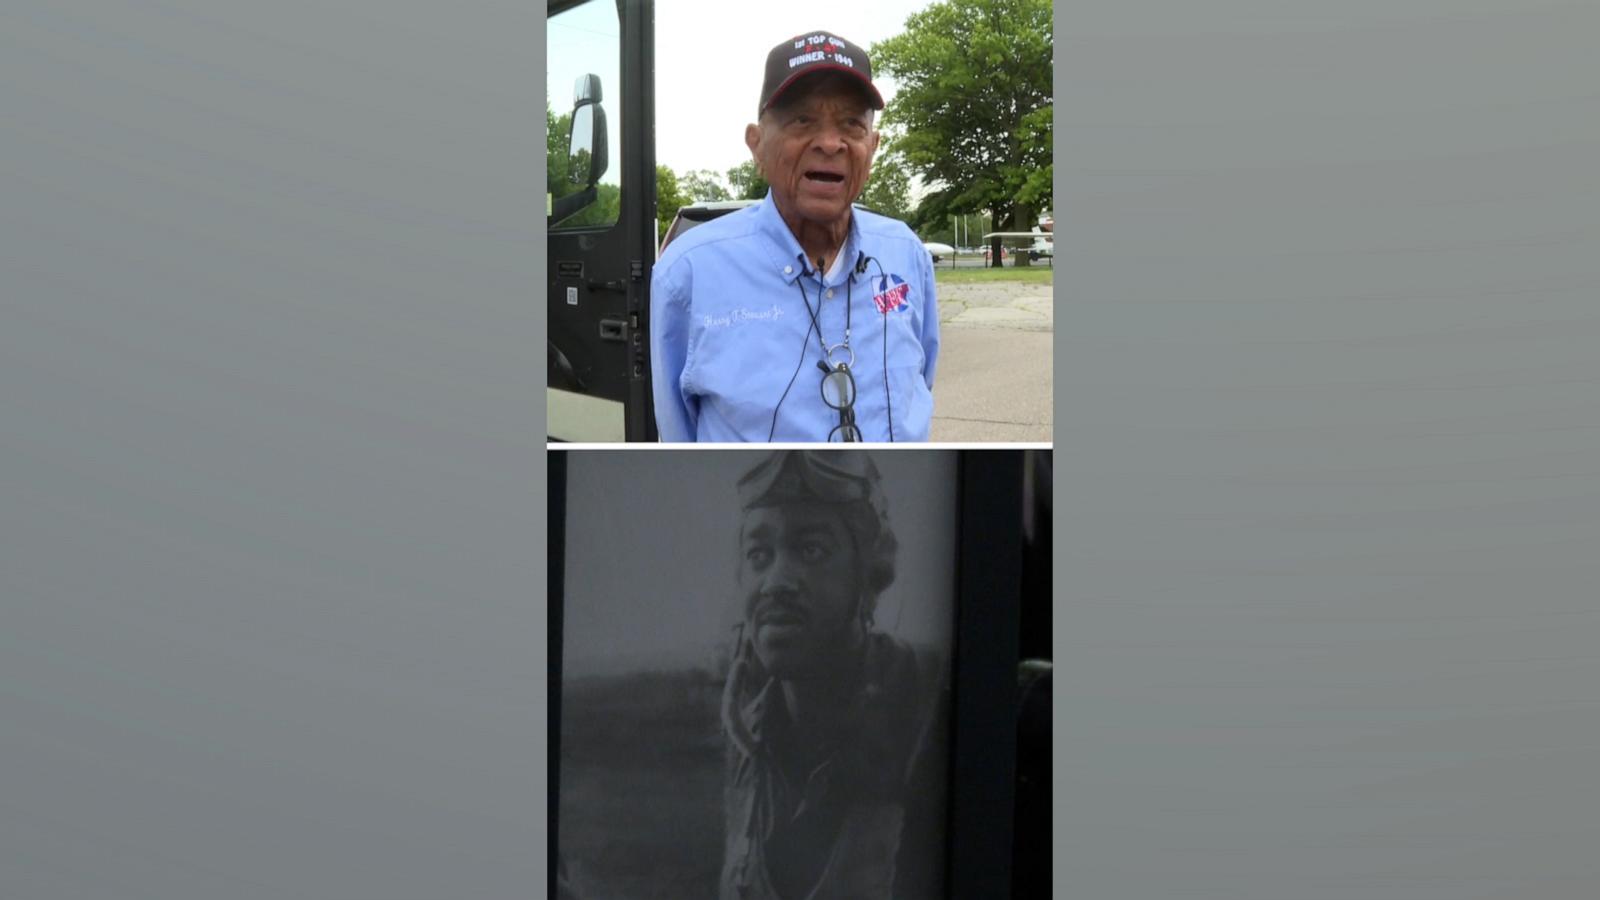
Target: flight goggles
[833, 476]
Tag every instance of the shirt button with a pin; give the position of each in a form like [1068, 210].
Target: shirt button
[788, 269]
[830, 293]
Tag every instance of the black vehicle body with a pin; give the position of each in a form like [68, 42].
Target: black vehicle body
[598, 292]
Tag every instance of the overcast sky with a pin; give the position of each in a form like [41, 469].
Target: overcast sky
[710, 56]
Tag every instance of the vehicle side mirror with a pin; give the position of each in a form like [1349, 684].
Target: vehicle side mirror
[586, 90]
[586, 148]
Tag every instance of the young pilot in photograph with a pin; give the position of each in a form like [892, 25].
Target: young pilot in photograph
[835, 771]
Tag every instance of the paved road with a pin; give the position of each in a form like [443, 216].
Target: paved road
[994, 380]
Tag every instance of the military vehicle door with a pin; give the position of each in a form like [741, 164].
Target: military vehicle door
[600, 210]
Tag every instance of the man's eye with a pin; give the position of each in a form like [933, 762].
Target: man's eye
[813, 552]
[758, 556]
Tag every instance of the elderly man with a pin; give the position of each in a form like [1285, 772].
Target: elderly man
[800, 318]
[835, 777]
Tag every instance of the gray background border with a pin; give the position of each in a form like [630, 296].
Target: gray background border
[1328, 434]
[1327, 350]
[271, 450]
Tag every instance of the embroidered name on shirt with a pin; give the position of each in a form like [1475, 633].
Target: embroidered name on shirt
[891, 293]
[742, 315]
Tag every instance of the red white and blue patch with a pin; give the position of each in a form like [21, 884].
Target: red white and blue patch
[890, 293]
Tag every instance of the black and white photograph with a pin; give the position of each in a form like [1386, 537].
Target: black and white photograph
[755, 656]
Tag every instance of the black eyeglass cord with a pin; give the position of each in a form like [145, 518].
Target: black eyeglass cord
[846, 416]
[774, 429]
[849, 283]
[888, 399]
[816, 325]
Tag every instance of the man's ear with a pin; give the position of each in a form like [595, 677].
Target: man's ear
[872, 155]
[752, 139]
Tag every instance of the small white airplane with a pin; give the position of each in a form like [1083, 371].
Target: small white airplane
[1043, 240]
[937, 249]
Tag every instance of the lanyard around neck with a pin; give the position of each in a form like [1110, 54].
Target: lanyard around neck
[828, 352]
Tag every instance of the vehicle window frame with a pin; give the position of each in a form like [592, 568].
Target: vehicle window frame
[561, 108]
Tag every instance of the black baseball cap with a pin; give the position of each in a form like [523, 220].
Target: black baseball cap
[812, 52]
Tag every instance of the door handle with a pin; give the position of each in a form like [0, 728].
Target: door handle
[614, 330]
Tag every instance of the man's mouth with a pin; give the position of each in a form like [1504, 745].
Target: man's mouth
[781, 617]
[825, 177]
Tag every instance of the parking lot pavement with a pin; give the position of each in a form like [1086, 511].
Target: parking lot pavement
[1000, 304]
[994, 378]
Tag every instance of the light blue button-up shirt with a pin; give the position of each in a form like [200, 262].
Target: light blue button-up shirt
[732, 340]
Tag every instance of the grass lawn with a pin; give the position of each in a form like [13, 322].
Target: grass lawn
[1036, 274]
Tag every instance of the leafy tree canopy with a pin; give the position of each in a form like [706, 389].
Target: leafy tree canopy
[703, 185]
[973, 106]
[889, 187]
[746, 181]
[669, 199]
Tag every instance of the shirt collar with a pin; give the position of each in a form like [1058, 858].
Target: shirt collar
[873, 700]
[759, 708]
[785, 248]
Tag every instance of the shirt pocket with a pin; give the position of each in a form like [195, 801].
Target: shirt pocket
[903, 333]
[894, 348]
[912, 408]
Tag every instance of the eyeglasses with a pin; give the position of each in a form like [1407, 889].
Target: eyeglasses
[839, 392]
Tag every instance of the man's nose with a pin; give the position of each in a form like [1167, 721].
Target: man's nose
[830, 140]
[781, 579]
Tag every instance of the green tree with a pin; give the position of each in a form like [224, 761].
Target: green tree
[958, 231]
[974, 106]
[746, 181]
[889, 188]
[669, 199]
[555, 137]
[703, 185]
[605, 210]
